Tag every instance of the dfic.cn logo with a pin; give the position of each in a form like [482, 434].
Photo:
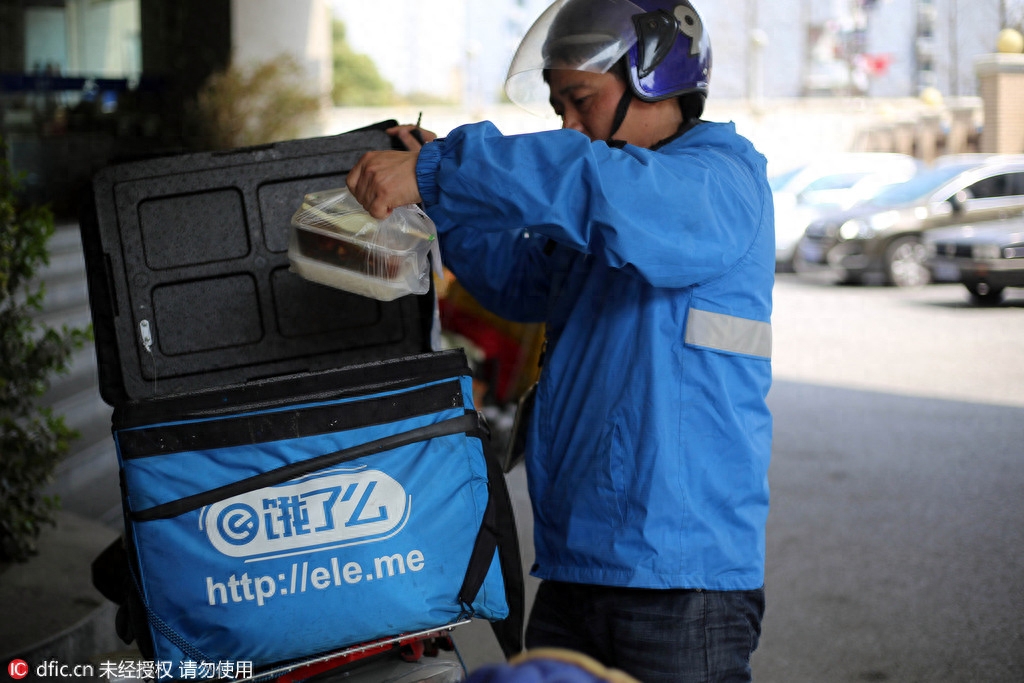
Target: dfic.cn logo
[17, 669]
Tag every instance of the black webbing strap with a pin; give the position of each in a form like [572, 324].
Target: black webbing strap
[455, 425]
[498, 532]
[480, 559]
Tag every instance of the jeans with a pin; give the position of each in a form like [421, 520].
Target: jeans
[656, 636]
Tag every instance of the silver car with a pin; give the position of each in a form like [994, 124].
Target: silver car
[828, 184]
[885, 235]
[986, 257]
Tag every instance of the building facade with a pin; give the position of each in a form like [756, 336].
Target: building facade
[878, 48]
[762, 48]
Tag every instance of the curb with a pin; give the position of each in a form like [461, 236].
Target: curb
[52, 612]
[80, 643]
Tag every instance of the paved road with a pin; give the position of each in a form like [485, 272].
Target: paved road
[896, 538]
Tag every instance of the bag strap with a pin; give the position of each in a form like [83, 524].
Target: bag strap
[174, 508]
[480, 559]
[498, 532]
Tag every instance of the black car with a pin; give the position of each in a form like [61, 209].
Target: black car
[885, 235]
[986, 257]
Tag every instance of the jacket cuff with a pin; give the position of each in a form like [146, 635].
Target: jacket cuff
[426, 172]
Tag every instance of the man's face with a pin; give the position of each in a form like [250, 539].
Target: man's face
[586, 101]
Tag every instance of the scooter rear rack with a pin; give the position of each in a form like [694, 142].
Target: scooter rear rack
[414, 645]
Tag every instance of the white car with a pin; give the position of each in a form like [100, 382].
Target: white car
[828, 184]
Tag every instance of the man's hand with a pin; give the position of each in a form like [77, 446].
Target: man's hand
[413, 137]
[383, 181]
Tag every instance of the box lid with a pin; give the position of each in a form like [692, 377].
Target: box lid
[189, 280]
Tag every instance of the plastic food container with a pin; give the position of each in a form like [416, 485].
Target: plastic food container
[335, 242]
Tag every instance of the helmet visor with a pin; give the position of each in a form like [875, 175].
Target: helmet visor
[579, 35]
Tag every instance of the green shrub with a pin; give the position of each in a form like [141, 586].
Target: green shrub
[357, 83]
[32, 439]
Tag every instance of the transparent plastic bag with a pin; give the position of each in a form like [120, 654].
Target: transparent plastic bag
[335, 242]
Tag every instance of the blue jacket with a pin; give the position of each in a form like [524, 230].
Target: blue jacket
[648, 454]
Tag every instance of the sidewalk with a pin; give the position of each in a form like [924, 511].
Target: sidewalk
[51, 610]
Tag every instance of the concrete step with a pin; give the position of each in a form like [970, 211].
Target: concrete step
[66, 238]
[80, 376]
[66, 256]
[88, 485]
[86, 480]
[66, 265]
[84, 409]
[66, 293]
[78, 316]
[53, 611]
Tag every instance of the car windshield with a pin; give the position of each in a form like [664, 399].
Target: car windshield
[919, 187]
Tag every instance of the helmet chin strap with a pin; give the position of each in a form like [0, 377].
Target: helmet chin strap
[620, 113]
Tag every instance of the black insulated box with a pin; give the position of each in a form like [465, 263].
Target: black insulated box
[189, 281]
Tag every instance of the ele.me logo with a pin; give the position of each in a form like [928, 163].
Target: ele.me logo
[331, 509]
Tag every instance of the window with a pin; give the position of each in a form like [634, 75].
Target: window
[993, 186]
[84, 38]
[46, 40]
[1016, 183]
[999, 185]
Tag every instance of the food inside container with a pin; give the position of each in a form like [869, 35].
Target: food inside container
[337, 243]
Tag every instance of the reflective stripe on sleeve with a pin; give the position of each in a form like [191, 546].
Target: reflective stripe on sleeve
[729, 333]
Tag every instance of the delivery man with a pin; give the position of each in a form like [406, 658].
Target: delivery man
[643, 237]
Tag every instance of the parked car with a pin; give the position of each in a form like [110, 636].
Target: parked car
[884, 235]
[817, 188]
[986, 257]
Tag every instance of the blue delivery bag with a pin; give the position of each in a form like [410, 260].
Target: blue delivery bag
[273, 533]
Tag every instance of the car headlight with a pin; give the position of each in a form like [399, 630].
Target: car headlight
[986, 251]
[1013, 252]
[855, 228]
[881, 222]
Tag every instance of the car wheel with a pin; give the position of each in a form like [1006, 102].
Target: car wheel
[850, 279]
[985, 294]
[905, 263]
[785, 265]
[798, 263]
